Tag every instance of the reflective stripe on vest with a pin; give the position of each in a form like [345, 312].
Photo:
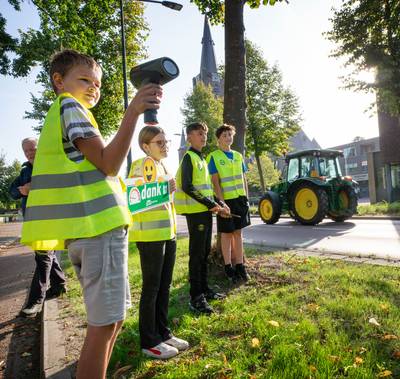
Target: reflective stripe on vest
[230, 172]
[201, 181]
[68, 200]
[156, 224]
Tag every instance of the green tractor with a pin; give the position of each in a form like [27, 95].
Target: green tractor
[311, 189]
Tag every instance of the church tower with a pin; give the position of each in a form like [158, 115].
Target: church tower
[208, 65]
[208, 73]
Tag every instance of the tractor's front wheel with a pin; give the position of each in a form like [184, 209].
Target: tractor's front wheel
[269, 207]
[347, 201]
[309, 204]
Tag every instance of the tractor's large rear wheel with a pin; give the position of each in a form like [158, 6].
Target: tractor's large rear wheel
[269, 207]
[309, 204]
[347, 200]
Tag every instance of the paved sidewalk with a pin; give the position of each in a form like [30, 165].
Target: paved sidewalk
[19, 337]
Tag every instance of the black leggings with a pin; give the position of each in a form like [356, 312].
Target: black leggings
[157, 260]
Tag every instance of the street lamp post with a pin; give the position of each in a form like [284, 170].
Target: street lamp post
[168, 4]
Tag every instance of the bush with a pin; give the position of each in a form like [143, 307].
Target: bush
[381, 208]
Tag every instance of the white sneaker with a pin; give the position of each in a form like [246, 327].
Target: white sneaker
[177, 343]
[32, 311]
[161, 351]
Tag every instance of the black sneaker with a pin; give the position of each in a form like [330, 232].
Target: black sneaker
[241, 271]
[200, 305]
[53, 292]
[231, 273]
[212, 295]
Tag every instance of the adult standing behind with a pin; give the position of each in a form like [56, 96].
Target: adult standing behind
[227, 169]
[193, 198]
[47, 271]
[154, 232]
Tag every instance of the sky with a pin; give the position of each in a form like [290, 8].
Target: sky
[289, 35]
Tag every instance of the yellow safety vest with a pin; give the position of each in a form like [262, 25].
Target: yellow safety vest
[230, 172]
[156, 224]
[68, 200]
[201, 180]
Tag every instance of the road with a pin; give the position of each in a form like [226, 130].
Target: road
[379, 238]
[19, 336]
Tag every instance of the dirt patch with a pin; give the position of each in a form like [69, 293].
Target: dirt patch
[263, 269]
[73, 327]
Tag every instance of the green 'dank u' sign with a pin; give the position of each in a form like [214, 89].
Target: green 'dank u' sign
[144, 196]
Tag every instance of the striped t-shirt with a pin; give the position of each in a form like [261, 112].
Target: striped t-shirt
[75, 123]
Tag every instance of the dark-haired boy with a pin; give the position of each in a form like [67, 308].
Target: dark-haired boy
[227, 170]
[194, 199]
[76, 199]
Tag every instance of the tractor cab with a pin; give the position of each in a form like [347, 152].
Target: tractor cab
[319, 164]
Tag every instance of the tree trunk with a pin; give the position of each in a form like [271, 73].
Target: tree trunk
[235, 71]
[260, 173]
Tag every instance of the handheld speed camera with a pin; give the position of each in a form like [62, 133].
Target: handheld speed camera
[158, 71]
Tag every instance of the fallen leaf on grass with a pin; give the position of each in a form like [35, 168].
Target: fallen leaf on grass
[224, 359]
[384, 307]
[384, 374]
[334, 358]
[274, 323]
[358, 361]
[121, 371]
[175, 321]
[396, 354]
[373, 321]
[26, 354]
[255, 342]
[390, 337]
[313, 307]
[235, 337]
[362, 350]
[313, 368]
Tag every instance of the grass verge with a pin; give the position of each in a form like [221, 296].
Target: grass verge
[381, 208]
[296, 318]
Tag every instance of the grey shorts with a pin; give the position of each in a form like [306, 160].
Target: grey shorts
[101, 264]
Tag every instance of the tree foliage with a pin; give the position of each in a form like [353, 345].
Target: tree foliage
[273, 111]
[231, 14]
[215, 9]
[201, 105]
[270, 174]
[7, 174]
[367, 34]
[89, 26]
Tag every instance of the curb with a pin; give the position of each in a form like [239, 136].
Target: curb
[326, 254]
[7, 243]
[52, 350]
[351, 218]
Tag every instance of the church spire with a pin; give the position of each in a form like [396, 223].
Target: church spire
[208, 65]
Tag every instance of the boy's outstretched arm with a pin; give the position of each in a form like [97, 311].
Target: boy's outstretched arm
[109, 158]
